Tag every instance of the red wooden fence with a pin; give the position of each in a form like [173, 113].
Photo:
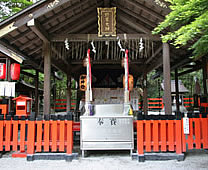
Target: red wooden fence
[159, 135]
[168, 135]
[198, 134]
[42, 136]
[61, 104]
[153, 103]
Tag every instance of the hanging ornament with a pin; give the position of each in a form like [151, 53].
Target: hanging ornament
[66, 43]
[141, 45]
[93, 47]
[119, 44]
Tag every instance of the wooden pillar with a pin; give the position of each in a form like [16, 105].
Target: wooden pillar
[54, 92]
[177, 91]
[68, 93]
[37, 93]
[167, 79]
[204, 68]
[47, 78]
[9, 79]
[145, 99]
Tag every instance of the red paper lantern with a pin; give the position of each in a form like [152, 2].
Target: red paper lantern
[15, 71]
[2, 71]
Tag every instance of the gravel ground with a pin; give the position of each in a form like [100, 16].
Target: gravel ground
[100, 161]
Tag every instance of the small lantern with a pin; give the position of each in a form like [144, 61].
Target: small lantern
[131, 82]
[2, 71]
[23, 105]
[83, 82]
[15, 71]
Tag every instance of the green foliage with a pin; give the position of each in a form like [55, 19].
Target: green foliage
[9, 7]
[188, 24]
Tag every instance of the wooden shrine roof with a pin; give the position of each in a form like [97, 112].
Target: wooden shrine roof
[55, 20]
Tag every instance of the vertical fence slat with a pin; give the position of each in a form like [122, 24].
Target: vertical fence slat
[15, 134]
[178, 137]
[205, 132]
[183, 139]
[69, 137]
[31, 137]
[61, 132]
[148, 135]
[190, 139]
[1, 134]
[163, 136]
[22, 135]
[39, 136]
[8, 135]
[171, 135]
[46, 135]
[155, 136]
[197, 133]
[140, 137]
[54, 136]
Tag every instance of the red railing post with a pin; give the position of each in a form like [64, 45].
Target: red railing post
[155, 136]
[163, 136]
[31, 137]
[39, 123]
[205, 132]
[61, 134]
[140, 137]
[15, 123]
[69, 123]
[22, 133]
[8, 128]
[46, 133]
[54, 134]
[178, 129]
[1, 131]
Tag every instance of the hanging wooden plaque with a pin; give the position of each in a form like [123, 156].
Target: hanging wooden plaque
[106, 22]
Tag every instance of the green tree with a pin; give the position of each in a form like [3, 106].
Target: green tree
[187, 24]
[9, 7]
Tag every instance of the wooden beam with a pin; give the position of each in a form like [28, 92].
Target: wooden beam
[87, 12]
[155, 65]
[90, 37]
[30, 43]
[190, 70]
[11, 54]
[167, 79]
[20, 35]
[146, 9]
[32, 13]
[136, 15]
[28, 60]
[113, 62]
[36, 93]
[154, 54]
[125, 29]
[78, 27]
[35, 50]
[63, 12]
[106, 3]
[133, 23]
[38, 30]
[145, 99]
[27, 73]
[89, 29]
[47, 78]
[68, 93]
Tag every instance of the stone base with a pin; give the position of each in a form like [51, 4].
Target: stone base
[158, 157]
[52, 156]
